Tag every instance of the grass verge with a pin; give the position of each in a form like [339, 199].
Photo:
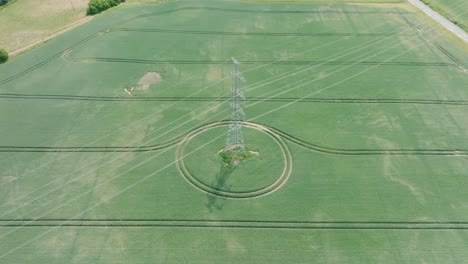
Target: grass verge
[449, 10]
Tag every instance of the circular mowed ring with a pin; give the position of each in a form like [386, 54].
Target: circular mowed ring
[261, 176]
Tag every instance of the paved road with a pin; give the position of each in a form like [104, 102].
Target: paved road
[441, 20]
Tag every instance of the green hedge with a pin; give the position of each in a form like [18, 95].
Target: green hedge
[97, 6]
[3, 55]
[3, 2]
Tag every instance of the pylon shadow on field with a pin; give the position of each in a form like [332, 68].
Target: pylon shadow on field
[219, 184]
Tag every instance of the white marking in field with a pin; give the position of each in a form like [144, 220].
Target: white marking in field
[127, 91]
[392, 174]
[256, 153]
[7, 179]
[65, 53]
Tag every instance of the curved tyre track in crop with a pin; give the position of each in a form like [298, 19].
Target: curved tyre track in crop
[281, 133]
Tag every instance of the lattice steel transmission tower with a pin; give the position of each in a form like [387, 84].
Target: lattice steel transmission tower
[235, 138]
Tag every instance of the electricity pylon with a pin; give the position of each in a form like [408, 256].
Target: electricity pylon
[235, 138]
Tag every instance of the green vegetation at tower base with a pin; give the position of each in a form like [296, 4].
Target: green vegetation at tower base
[97, 6]
[235, 156]
[3, 56]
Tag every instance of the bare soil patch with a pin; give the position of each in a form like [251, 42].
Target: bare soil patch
[148, 79]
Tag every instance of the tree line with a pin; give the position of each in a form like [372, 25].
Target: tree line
[3, 56]
[97, 6]
[3, 52]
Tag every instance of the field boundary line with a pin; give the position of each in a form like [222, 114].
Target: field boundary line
[447, 24]
[19, 51]
[432, 42]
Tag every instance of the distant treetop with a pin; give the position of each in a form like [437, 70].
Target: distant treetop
[3, 55]
[97, 6]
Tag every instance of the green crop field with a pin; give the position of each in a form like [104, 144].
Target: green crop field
[355, 115]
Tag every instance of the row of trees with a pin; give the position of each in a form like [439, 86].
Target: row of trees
[3, 53]
[97, 6]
